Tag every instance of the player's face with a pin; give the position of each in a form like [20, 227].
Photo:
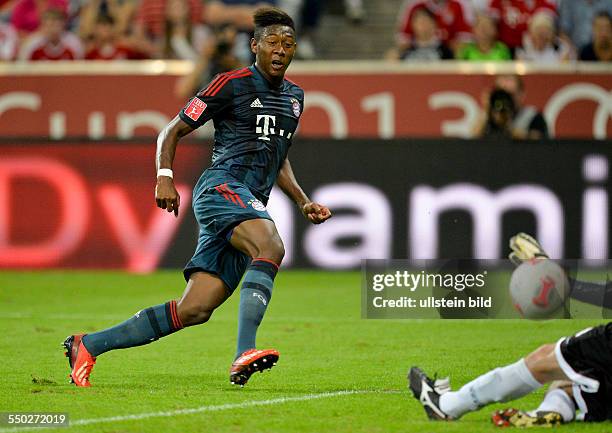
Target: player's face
[274, 50]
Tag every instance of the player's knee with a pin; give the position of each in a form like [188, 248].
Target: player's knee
[272, 249]
[194, 315]
[540, 353]
[542, 364]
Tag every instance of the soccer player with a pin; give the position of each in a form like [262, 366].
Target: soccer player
[256, 112]
[577, 366]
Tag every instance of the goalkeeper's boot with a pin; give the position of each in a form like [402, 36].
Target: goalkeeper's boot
[525, 247]
[519, 418]
[252, 361]
[80, 360]
[428, 392]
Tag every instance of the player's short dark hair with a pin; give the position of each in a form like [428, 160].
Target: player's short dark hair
[270, 16]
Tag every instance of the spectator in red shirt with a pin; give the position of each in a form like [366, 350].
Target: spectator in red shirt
[425, 45]
[52, 42]
[514, 15]
[453, 17]
[26, 16]
[105, 43]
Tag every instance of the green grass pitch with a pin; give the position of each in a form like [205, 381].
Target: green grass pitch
[313, 320]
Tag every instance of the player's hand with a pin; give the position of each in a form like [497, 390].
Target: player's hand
[525, 247]
[166, 195]
[316, 213]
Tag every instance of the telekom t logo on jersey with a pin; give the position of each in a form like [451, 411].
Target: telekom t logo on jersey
[266, 126]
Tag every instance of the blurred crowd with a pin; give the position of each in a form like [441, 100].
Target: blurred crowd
[146, 29]
[215, 33]
[542, 31]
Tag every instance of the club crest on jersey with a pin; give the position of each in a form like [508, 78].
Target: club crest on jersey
[295, 106]
[195, 109]
[257, 205]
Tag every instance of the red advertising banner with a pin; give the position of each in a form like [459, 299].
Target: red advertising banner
[88, 206]
[342, 100]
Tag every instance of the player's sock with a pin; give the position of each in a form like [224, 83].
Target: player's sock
[255, 295]
[502, 384]
[558, 401]
[144, 327]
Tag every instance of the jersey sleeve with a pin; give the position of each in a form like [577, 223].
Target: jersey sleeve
[208, 103]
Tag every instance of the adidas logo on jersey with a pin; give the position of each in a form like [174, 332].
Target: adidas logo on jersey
[256, 103]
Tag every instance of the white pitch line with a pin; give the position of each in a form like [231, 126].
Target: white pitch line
[201, 409]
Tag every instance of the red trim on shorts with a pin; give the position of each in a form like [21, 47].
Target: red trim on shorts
[230, 195]
[234, 194]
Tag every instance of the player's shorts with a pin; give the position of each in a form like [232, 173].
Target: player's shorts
[586, 359]
[218, 210]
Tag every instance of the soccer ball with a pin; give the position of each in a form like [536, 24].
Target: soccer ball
[538, 288]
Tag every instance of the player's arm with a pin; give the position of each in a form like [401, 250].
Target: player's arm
[316, 213]
[166, 195]
[208, 103]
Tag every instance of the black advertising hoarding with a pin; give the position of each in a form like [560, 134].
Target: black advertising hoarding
[446, 199]
[424, 199]
[417, 199]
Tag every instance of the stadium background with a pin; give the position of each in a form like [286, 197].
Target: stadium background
[79, 134]
[389, 145]
[73, 135]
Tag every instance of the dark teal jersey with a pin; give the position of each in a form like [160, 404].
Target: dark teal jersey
[254, 125]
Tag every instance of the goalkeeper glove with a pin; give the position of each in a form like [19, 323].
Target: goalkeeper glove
[525, 247]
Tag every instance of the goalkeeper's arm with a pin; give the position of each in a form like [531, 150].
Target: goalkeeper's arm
[525, 247]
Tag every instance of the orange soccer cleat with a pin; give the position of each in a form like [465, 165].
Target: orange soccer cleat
[251, 361]
[80, 360]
